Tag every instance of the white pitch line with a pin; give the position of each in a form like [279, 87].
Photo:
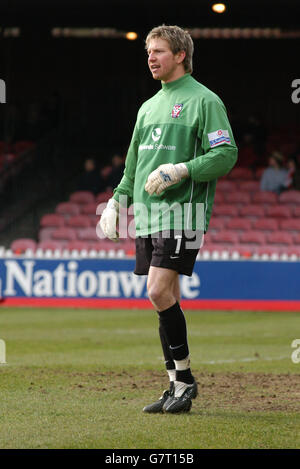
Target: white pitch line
[247, 359]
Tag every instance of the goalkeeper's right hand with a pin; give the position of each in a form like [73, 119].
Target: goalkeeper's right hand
[109, 219]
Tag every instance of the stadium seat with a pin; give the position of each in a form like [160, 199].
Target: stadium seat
[264, 197]
[252, 237]
[52, 220]
[241, 174]
[216, 224]
[292, 250]
[50, 244]
[46, 233]
[290, 224]
[78, 245]
[225, 210]
[68, 209]
[267, 249]
[296, 211]
[226, 185]
[88, 234]
[89, 209]
[82, 197]
[249, 186]
[252, 210]
[239, 224]
[291, 196]
[219, 198]
[103, 196]
[280, 238]
[225, 237]
[259, 173]
[296, 238]
[64, 234]
[266, 224]
[20, 246]
[238, 198]
[279, 211]
[79, 221]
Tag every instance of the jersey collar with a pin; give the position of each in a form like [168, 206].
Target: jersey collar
[173, 85]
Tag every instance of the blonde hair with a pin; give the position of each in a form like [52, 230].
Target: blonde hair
[178, 40]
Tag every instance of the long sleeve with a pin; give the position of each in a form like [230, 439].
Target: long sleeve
[126, 185]
[217, 144]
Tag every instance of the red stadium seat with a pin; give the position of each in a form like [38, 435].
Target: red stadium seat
[225, 237]
[216, 224]
[240, 224]
[52, 220]
[252, 210]
[296, 211]
[89, 209]
[78, 245]
[238, 198]
[50, 244]
[259, 173]
[64, 234]
[290, 196]
[20, 246]
[296, 238]
[79, 221]
[82, 197]
[103, 196]
[265, 224]
[252, 237]
[46, 233]
[280, 237]
[225, 210]
[290, 224]
[68, 209]
[241, 173]
[264, 197]
[88, 234]
[226, 185]
[219, 198]
[279, 211]
[249, 186]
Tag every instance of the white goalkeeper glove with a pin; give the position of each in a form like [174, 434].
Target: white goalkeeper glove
[109, 219]
[165, 176]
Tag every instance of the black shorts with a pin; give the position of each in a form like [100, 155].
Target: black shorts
[175, 250]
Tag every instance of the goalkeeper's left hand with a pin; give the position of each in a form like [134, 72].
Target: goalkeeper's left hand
[165, 176]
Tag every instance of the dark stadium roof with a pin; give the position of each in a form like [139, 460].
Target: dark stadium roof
[141, 15]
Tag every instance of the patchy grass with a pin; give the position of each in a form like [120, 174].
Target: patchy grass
[79, 379]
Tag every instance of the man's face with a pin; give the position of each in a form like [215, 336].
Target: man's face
[163, 64]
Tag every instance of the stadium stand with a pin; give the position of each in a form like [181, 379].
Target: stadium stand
[245, 220]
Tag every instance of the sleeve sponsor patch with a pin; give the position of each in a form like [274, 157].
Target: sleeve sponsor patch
[219, 137]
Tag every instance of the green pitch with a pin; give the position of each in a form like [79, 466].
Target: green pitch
[80, 378]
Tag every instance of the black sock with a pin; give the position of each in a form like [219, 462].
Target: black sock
[169, 362]
[173, 325]
[185, 376]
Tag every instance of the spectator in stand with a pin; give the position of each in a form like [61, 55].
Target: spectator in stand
[117, 171]
[293, 178]
[275, 176]
[89, 180]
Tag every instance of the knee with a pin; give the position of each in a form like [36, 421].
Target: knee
[156, 292]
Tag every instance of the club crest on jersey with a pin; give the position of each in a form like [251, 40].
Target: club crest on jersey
[177, 108]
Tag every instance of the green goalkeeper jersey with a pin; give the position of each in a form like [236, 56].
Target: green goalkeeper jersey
[187, 123]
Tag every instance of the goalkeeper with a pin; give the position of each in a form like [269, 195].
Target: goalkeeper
[181, 144]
